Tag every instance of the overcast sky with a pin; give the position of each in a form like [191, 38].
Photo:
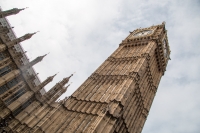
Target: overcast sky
[80, 35]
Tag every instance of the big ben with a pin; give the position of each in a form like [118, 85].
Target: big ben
[120, 92]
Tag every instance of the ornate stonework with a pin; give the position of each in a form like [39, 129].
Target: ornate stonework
[116, 98]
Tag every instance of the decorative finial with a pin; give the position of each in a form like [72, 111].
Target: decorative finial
[24, 8]
[45, 55]
[35, 32]
[69, 84]
[65, 88]
[55, 74]
[163, 22]
[11, 27]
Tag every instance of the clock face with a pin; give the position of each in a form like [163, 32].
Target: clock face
[143, 33]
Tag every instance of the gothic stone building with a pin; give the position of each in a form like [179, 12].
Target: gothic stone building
[116, 98]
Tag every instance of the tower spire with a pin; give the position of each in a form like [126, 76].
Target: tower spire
[32, 63]
[59, 87]
[44, 83]
[57, 94]
[21, 39]
[66, 80]
[10, 12]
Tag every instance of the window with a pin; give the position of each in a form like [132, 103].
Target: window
[7, 86]
[3, 89]
[22, 107]
[5, 70]
[12, 83]
[15, 96]
[1, 56]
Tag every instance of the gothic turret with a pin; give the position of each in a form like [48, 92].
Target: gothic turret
[44, 83]
[10, 12]
[32, 63]
[18, 40]
[59, 87]
[57, 95]
[65, 80]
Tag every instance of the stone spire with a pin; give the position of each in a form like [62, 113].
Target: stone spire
[32, 63]
[18, 40]
[57, 95]
[38, 59]
[44, 83]
[65, 80]
[10, 12]
[58, 88]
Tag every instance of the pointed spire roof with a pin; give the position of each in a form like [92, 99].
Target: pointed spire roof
[40, 58]
[11, 11]
[32, 63]
[16, 10]
[65, 80]
[55, 74]
[29, 35]
[52, 77]
[49, 79]
[45, 82]
[20, 39]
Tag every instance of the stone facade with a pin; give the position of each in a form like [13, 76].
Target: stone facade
[116, 98]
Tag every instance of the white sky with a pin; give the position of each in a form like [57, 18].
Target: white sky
[80, 35]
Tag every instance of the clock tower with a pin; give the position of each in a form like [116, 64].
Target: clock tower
[117, 97]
